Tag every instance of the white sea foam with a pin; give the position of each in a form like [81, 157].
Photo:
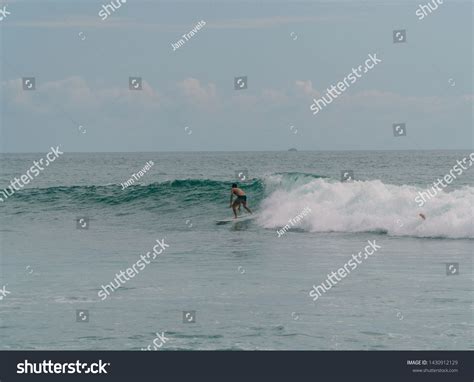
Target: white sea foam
[367, 206]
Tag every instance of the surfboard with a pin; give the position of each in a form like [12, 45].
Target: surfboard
[238, 220]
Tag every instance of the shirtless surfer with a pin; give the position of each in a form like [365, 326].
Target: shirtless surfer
[241, 199]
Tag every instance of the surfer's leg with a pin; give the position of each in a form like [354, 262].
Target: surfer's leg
[245, 206]
[234, 208]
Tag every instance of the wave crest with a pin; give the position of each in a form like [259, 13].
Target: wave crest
[370, 206]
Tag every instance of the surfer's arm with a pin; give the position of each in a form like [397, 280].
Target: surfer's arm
[231, 197]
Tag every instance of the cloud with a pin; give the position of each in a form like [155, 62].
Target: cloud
[75, 96]
[306, 87]
[115, 21]
[73, 23]
[383, 101]
[196, 93]
[269, 22]
[275, 96]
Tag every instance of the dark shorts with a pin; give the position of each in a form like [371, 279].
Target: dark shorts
[241, 198]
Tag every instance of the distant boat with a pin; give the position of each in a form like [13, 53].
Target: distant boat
[292, 149]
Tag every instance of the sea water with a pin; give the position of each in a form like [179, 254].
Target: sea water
[241, 285]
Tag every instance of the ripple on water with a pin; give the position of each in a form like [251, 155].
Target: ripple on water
[204, 336]
[373, 333]
[73, 300]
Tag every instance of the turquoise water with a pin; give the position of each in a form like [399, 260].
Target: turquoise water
[248, 287]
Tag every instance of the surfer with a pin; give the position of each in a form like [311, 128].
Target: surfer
[241, 199]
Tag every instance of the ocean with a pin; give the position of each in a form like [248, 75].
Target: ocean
[239, 285]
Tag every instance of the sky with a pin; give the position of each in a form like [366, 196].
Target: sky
[290, 52]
